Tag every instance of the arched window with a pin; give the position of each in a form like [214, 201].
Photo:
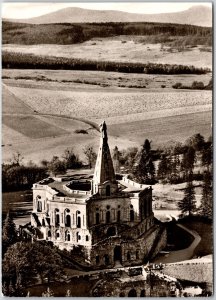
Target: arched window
[118, 216]
[57, 217]
[108, 190]
[67, 236]
[97, 218]
[131, 215]
[128, 256]
[108, 216]
[78, 219]
[57, 235]
[39, 206]
[68, 221]
[78, 222]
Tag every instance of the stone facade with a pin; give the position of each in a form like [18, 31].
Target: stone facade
[148, 284]
[113, 220]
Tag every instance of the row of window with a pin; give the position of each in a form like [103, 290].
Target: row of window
[67, 236]
[68, 221]
[108, 216]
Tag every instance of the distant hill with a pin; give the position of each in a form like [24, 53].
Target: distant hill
[197, 15]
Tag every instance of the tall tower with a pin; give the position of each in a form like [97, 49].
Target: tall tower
[104, 181]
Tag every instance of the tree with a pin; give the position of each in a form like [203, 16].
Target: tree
[116, 157]
[188, 203]
[56, 166]
[24, 260]
[9, 234]
[207, 156]
[206, 207]
[164, 168]
[188, 161]
[197, 141]
[145, 170]
[17, 159]
[71, 160]
[90, 154]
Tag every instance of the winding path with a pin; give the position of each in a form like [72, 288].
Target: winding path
[184, 254]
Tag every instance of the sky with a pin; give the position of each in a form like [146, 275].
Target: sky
[23, 10]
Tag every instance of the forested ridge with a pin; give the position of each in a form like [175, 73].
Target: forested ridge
[66, 33]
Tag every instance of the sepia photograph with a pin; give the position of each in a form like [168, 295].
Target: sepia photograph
[107, 149]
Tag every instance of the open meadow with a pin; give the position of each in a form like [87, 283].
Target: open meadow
[121, 49]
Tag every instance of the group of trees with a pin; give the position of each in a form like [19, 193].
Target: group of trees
[196, 85]
[17, 176]
[175, 164]
[178, 161]
[24, 261]
[30, 61]
[66, 33]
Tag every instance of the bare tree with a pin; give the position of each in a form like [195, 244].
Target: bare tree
[90, 154]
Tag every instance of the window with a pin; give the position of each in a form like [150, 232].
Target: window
[108, 217]
[128, 256]
[137, 254]
[118, 216]
[131, 215]
[57, 235]
[97, 218]
[97, 259]
[106, 259]
[67, 236]
[39, 206]
[78, 222]
[87, 238]
[68, 221]
[49, 234]
[57, 217]
[108, 190]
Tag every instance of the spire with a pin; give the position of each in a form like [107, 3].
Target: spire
[104, 170]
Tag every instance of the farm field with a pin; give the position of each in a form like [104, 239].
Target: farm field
[121, 49]
[104, 81]
[131, 114]
[94, 105]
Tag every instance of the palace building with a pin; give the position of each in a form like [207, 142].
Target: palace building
[111, 219]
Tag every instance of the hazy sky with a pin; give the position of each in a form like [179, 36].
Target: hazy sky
[29, 10]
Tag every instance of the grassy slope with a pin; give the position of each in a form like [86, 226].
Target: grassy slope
[116, 50]
[17, 33]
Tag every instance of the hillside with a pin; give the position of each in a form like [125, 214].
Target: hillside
[29, 34]
[197, 15]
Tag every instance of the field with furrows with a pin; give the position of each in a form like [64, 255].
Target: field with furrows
[94, 105]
